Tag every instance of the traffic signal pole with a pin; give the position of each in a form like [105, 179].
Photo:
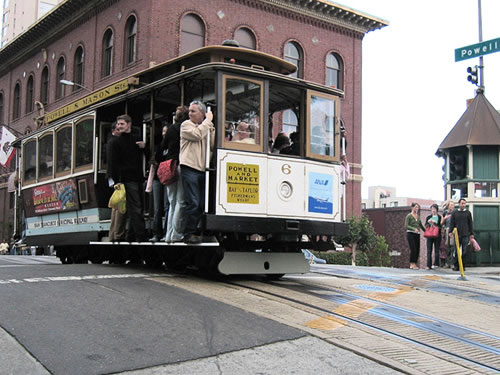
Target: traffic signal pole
[481, 64]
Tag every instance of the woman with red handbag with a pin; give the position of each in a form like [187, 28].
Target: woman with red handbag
[433, 235]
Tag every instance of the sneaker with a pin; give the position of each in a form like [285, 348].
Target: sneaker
[192, 239]
[155, 238]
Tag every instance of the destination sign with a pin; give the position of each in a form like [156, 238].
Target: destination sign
[88, 100]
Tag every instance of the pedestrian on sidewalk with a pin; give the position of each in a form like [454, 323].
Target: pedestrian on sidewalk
[462, 220]
[413, 224]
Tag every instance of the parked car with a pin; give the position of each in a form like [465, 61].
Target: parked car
[311, 258]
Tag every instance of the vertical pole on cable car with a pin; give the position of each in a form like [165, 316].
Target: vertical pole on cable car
[344, 182]
[16, 157]
[144, 140]
[459, 255]
[207, 166]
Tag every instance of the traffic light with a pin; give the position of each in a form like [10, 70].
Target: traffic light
[458, 166]
[473, 74]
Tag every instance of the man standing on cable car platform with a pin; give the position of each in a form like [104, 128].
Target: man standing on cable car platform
[125, 165]
[192, 160]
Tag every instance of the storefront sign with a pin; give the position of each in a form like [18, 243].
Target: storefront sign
[55, 197]
[88, 100]
[242, 183]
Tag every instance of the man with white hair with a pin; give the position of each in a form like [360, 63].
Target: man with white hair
[192, 161]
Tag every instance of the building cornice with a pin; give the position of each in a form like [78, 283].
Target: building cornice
[63, 18]
[332, 13]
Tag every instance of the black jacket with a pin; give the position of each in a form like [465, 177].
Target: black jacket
[125, 161]
[462, 220]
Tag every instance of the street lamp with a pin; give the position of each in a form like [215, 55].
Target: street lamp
[71, 83]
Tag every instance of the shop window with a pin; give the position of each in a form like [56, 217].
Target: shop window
[84, 137]
[60, 75]
[29, 162]
[192, 33]
[78, 69]
[45, 156]
[243, 105]
[64, 138]
[130, 40]
[486, 190]
[322, 141]
[246, 38]
[459, 191]
[107, 53]
[294, 54]
[29, 95]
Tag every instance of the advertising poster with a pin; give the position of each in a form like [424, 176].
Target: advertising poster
[320, 193]
[55, 197]
[242, 183]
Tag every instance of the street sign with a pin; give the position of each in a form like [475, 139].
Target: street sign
[478, 49]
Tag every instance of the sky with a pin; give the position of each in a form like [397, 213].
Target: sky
[413, 90]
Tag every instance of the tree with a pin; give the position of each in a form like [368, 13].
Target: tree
[361, 235]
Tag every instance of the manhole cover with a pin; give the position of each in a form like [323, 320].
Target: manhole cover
[376, 288]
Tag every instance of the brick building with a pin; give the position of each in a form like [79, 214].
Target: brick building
[94, 43]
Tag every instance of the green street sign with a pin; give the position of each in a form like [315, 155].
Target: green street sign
[478, 49]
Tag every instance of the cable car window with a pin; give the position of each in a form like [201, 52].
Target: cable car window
[29, 161]
[45, 156]
[63, 150]
[322, 139]
[243, 106]
[84, 133]
[285, 119]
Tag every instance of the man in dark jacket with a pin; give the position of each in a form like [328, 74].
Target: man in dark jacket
[462, 220]
[125, 166]
[118, 220]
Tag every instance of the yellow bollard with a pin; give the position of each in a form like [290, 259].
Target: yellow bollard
[459, 253]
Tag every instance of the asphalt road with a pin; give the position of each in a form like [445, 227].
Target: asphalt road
[102, 319]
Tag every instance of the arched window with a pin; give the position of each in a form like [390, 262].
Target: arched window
[333, 71]
[192, 33]
[1, 107]
[60, 74]
[29, 95]
[293, 54]
[107, 53]
[44, 87]
[290, 122]
[16, 109]
[246, 38]
[130, 40]
[78, 68]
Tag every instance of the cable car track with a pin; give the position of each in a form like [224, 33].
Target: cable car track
[454, 347]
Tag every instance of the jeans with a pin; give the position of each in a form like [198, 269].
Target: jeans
[436, 242]
[161, 207]
[135, 212]
[193, 182]
[175, 225]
